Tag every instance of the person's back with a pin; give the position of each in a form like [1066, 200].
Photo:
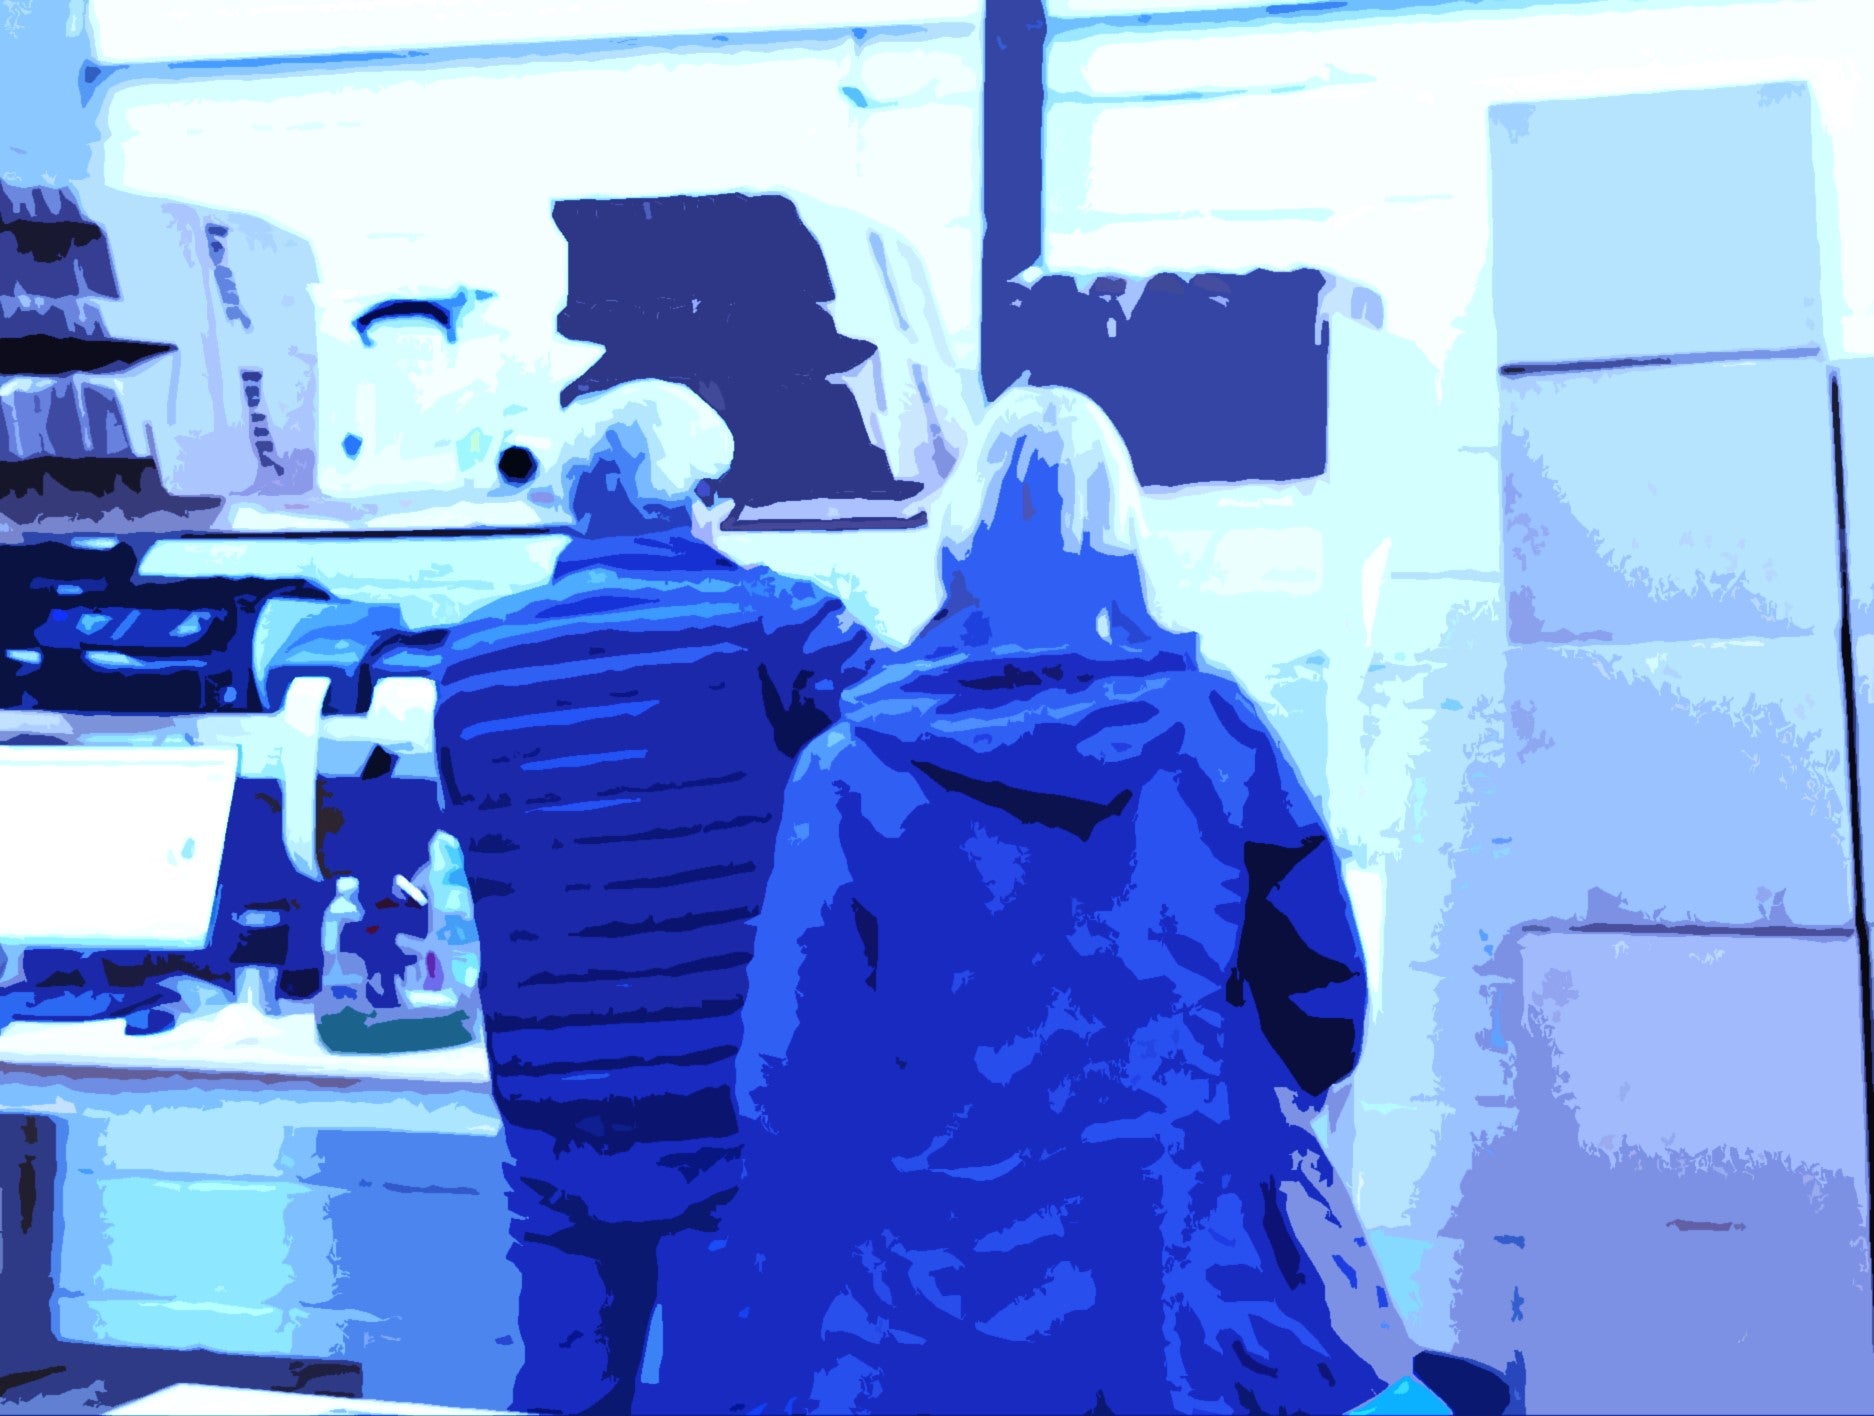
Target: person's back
[1030, 1081]
[614, 749]
[616, 752]
[1053, 932]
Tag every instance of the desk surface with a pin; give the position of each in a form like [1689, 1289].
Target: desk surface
[233, 1040]
[192, 1400]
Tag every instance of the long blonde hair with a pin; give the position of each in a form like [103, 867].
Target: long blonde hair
[1101, 506]
[1008, 580]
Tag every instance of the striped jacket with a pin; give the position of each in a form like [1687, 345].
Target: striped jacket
[614, 749]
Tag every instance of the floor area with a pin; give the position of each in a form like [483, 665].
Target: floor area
[51, 1378]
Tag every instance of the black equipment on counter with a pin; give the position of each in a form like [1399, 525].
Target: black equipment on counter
[82, 632]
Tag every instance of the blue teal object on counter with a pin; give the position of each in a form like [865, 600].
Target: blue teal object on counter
[1405, 1397]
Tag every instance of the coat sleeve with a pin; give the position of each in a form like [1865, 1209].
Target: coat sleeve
[1299, 954]
[808, 1101]
[815, 654]
[806, 916]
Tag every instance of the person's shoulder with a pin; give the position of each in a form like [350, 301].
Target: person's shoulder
[788, 592]
[670, 553]
[668, 567]
[1218, 725]
[1231, 738]
[616, 587]
[835, 755]
[1216, 704]
[682, 557]
[814, 620]
[843, 762]
[519, 607]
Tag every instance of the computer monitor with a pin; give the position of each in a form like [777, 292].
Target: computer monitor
[111, 848]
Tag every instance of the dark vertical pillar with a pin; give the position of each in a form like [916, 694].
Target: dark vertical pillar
[1857, 804]
[29, 1147]
[1014, 44]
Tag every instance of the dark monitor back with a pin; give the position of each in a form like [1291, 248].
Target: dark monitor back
[727, 294]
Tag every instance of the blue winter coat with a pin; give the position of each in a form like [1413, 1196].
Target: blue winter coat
[1046, 933]
[614, 749]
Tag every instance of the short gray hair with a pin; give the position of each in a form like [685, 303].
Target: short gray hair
[648, 440]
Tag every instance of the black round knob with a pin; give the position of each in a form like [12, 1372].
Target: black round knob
[516, 465]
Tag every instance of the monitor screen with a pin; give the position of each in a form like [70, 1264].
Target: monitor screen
[112, 847]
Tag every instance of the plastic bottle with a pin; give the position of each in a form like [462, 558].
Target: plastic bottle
[341, 1008]
[438, 994]
[453, 935]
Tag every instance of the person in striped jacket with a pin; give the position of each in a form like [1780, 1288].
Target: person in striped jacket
[614, 748]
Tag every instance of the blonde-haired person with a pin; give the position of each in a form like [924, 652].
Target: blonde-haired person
[1102, 507]
[1053, 969]
[613, 750]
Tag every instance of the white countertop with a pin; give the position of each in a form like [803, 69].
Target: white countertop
[235, 1039]
[192, 1400]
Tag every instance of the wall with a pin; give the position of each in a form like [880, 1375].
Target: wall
[1360, 144]
[1368, 612]
[41, 48]
[1389, 673]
